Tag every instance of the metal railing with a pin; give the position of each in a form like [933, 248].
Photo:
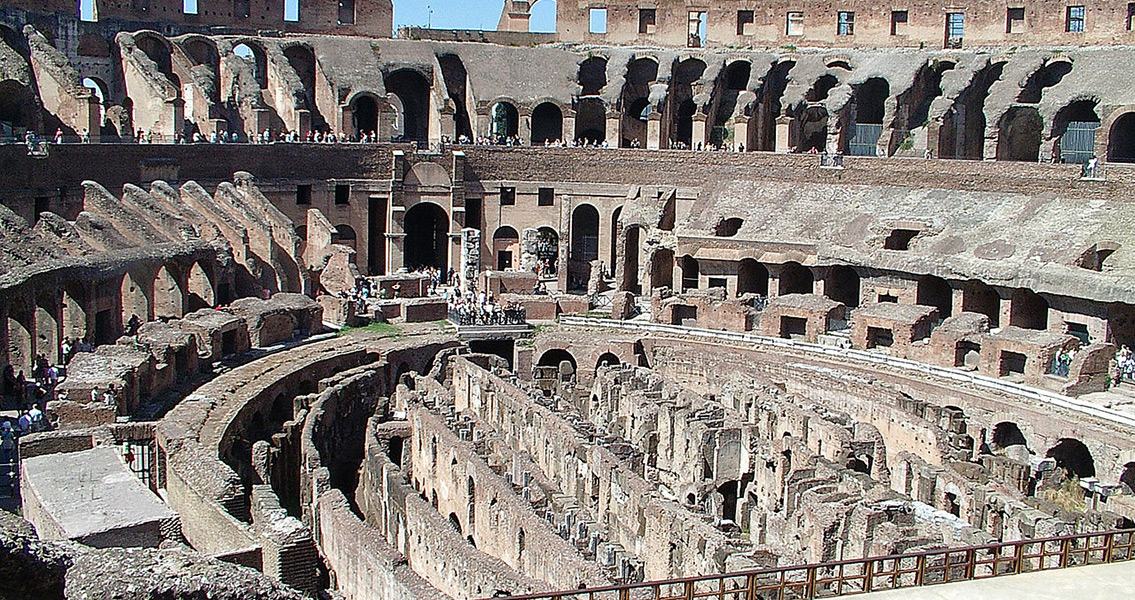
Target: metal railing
[848, 577]
[477, 317]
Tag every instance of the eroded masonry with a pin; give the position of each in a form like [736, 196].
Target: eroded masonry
[294, 307]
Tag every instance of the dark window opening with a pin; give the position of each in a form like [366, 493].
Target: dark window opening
[793, 327]
[745, 22]
[1073, 456]
[1015, 20]
[889, 298]
[646, 20]
[967, 354]
[508, 196]
[546, 197]
[846, 23]
[718, 282]
[473, 213]
[394, 451]
[899, 19]
[899, 239]
[1079, 331]
[41, 206]
[346, 12]
[1130, 15]
[1012, 363]
[303, 194]
[952, 505]
[343, 193]
[878, 337]
[728, 227]
[241, 9]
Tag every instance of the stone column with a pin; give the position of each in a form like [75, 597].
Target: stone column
[699, 134]
[654, 131]
[1006, 310]
[470, 257]
[568, 131]
[783, 125]
[614, 130]
[741, 132]
[957, 300]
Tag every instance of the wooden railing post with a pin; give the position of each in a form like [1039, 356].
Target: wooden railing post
[810, 589]
[751, 587]
[689, 595]
[868, 572]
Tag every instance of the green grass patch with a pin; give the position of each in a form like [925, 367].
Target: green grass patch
[383, 329]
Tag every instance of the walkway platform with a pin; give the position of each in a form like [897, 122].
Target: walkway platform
[1093, 582]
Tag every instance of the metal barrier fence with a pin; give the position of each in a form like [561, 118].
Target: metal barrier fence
[848, 577]
[477, 317]
[9, 472]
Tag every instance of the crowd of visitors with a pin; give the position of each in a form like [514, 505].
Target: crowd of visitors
[479, 308]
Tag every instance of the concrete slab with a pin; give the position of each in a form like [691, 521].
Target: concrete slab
[1095, 582]
[92, 498]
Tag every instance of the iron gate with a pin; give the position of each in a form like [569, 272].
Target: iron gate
[1078, 144]
[864, 139]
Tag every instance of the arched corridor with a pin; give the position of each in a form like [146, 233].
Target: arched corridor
[547, 124]
[413, 90]
[427, 237]
[794, 278]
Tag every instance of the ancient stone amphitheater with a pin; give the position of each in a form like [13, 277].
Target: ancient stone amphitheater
[788, 300]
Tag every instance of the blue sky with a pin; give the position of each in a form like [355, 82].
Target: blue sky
[446, 14]
[467, 14]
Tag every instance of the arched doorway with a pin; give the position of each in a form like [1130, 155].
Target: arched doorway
[169, 299]
[1073, 456]
[691, 273]
[842, 285]
[505, 121]
[413, 90]
[607, 359]
[1121, 139]
[345, 235]
[584, 245]
[869, 111]
[427, 237]
[1019, 134]
[455, 76]
[936, 292]
[547, 251]
[662, 268]
[977, 297]
[506, 248]
[794, 278]
[1028, 310]
[752, 278]
[364, 115]
[201, 294]
[634, 101]
[256, 60]
[1006, 434]
[547, 124]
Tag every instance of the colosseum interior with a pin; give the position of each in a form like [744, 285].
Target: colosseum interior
[727, 300]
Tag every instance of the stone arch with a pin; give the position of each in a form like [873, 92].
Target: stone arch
[48, 325]
[662, 268]
[158, 49]
[413, 89]
[427, 236]
[691, 273]
[364, 115]
[1019, 134]
[98, 89]
[794, 278]
[1045, 77]
[591, 121]
[1006, 434]
[681, 104]
[752, 277]
[547, 123]
[632, 237]
[506, 248]
[1073, 456]
[767, 108]
[1074, 129]
[1121, 138]
[811, 129]
[607, 359]
[868, 113]
[169, 298]
[345, 235]
[593, 75]
[962, 133]
[21, 335]
[456, 78]
[554, 356]
[135, 298]
[76, 319]
[977, 297]
[504, 120]
[16, 108]
[634, 99]
[254, 55]
[199, 288]
[301, 57]
[821, 88]
[935, 291]
[842, 285]
[584, 244]
[548, 250]
[1028, 310]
